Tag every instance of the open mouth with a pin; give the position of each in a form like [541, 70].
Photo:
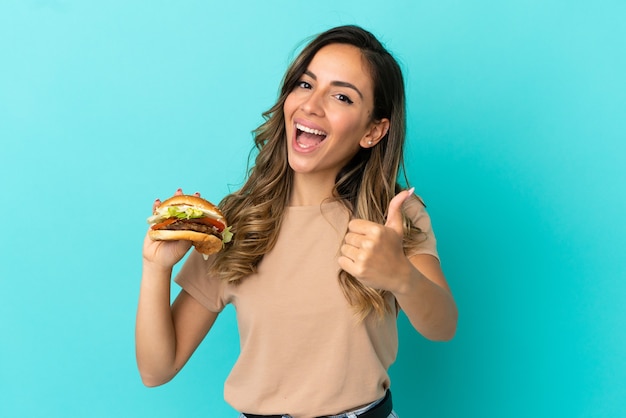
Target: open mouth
[308, 137]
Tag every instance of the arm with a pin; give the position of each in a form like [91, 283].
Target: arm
[425, 298]
[166, 336]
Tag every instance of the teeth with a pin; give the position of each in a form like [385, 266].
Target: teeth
[310, 130]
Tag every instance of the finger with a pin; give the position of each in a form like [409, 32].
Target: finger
[197, 194]
[346, 264]
[178, 192]
[155, 205]
[394, 212]
[353, 239]
[362, 227]
[350, 252]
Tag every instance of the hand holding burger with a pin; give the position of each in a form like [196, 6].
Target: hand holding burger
[190, 218]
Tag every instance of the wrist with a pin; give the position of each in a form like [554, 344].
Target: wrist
[151, 268]
[408, 280]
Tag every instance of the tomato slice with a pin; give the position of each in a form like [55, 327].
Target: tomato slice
[164, 223]
[210, 221]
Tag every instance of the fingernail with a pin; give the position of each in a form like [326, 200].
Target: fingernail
[411, 190]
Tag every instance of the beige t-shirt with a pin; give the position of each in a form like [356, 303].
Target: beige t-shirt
[303, 352]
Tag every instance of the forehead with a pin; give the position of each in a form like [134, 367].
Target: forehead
[342, 62]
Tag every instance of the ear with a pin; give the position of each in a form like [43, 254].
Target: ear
[376, 132]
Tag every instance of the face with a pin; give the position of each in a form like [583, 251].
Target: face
[328, 113]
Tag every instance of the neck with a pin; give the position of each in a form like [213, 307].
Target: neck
[310, 190]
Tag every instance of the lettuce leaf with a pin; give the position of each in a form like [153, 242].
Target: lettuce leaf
[227, 236]
[184, 212]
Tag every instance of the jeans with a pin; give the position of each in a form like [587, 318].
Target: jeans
[351, 414]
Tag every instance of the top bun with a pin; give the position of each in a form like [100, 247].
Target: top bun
[190, 200]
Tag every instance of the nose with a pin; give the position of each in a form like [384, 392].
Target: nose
[313, 104]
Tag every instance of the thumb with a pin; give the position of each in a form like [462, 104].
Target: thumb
[394, 212]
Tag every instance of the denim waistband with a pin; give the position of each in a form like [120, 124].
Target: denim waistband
[381, 409]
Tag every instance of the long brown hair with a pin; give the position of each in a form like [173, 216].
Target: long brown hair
[365, 185]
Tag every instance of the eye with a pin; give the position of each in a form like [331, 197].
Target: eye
[344, 98]
[303, 85]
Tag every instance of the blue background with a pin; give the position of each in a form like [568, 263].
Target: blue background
[517, 130]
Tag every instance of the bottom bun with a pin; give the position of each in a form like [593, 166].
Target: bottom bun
[204, 243]
[210, 246]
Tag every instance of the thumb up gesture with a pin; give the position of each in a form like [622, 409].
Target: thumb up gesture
[373, 253]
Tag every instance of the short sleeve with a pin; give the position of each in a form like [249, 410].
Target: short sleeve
[195, 280]
[415, 210]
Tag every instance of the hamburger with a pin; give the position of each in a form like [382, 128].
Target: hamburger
[190, 218]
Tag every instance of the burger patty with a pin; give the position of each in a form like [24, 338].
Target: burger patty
[190, 225]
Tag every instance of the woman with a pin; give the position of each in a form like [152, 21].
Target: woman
[327, 248]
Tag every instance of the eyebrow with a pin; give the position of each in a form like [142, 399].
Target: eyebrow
[337, 83]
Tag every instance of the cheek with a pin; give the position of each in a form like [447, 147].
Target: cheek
[348, 126]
